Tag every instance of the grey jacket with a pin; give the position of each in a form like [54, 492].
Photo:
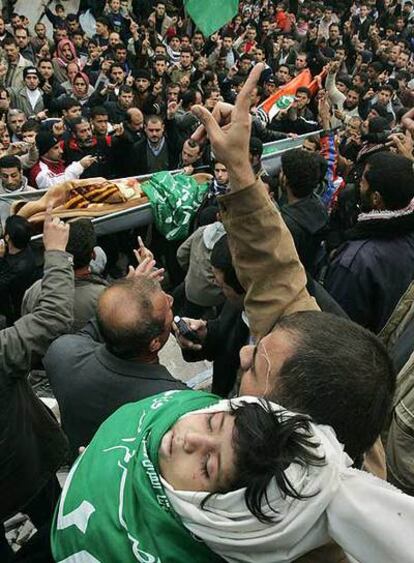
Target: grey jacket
[397, 335]
[33, 445]
[87, 292]
[90, 383]
[194, 256]
[20, 100]
[14, 79]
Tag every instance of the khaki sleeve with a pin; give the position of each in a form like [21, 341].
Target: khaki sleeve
[265, 258]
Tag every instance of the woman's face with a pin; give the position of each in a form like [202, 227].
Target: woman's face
[197, 453]
[5, 139]
[79, 86]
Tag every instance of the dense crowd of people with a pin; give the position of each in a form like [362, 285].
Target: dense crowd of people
[295, 281]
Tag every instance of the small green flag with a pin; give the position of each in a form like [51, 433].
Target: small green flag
[211, 15]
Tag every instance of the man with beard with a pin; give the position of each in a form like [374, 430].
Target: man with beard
[345, 105]
[142, 80]
[157, 150]
[375, 265]
[84, 143]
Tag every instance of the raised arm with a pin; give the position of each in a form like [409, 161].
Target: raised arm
[262, 247]
[53, 313]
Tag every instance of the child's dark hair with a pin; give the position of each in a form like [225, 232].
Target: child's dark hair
[266, 443]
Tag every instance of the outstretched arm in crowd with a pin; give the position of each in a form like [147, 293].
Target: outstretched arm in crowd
[53, 313]
[262, 247]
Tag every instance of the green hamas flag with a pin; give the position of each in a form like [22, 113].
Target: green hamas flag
[211, 15]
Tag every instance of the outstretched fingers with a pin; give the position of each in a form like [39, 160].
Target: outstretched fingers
[211, 126]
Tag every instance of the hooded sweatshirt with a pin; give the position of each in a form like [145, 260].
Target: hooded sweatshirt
[194, 256]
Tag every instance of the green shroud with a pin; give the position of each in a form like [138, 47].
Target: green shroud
[211, 15]
[113, 508]
[174, 201]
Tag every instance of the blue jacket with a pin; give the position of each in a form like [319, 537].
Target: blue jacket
[368, 277]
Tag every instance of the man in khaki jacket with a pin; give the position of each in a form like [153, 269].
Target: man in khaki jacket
[345, 377]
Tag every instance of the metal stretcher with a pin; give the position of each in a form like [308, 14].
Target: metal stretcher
[141, 215]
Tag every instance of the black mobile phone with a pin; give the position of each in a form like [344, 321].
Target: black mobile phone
[186, 331]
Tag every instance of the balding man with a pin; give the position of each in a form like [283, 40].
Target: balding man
[114, 359]
[131, 132]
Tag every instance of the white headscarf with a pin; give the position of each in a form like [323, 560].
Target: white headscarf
[370, 519]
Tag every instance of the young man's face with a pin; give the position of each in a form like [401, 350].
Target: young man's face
[12, 53]
[220, 173]
[154, 131]
[40, 30]
[100, 124]
[259, 55]
[126, 99]
[4, 100]
[55, 153]
[31, 81]
[160, 10]
[384, 97]
[72, 113]
[121, 55]
[302, 100]
[117, 75]
[115, 5]
[11, 178]
[175, 44]
[283, 75]
[190, 155]
[160, 67]
[60, 34]
[29, 137]
[186, 60]
[159, 50]
[173, 94]
[198, 41]
[333, 32]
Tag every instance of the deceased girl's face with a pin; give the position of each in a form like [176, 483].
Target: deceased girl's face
[197, 453]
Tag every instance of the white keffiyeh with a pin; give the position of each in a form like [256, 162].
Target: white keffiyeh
[371, 520]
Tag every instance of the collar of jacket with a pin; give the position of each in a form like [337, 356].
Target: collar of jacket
[74, 145]
[131, 368]
[375, 228]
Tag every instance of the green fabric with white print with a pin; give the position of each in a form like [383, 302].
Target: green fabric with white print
[113, 506]
[174, 200]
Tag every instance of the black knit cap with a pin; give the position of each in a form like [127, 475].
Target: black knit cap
[45, 140]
